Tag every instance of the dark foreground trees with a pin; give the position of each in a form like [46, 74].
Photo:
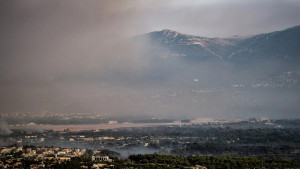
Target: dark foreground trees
[213, 161]
[149, 161]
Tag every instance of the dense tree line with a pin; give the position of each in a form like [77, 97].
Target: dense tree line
[214, 162]
[242, 150]
[153, 161]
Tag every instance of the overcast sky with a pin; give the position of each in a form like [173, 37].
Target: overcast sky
[51, 51]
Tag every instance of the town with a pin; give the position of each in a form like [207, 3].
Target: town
[262, 140]
[56, 157]
[45, 157]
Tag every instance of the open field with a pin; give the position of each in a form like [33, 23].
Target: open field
[90, 126]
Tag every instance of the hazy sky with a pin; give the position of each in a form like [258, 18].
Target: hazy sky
[58, 55]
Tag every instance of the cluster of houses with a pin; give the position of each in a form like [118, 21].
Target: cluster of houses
[13, 156]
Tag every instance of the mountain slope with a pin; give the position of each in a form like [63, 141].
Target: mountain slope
[281, 45]
[194, 47]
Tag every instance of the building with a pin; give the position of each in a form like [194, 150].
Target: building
[198, 167]
[100, 158]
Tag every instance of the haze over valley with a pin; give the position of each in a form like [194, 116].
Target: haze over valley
[143, 60]
[149, 84]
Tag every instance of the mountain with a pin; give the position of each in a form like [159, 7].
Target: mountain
[240, 76]
[280, 45]
[264, 61]
[283, 46]
[195, 48]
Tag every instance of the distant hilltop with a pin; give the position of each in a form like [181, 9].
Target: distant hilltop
[281, 45]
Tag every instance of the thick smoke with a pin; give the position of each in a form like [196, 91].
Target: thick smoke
[74, 56]
[4, 129]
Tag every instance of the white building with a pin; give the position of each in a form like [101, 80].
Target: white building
[100, 158]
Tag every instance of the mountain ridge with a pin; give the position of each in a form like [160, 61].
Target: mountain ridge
[283, 45]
